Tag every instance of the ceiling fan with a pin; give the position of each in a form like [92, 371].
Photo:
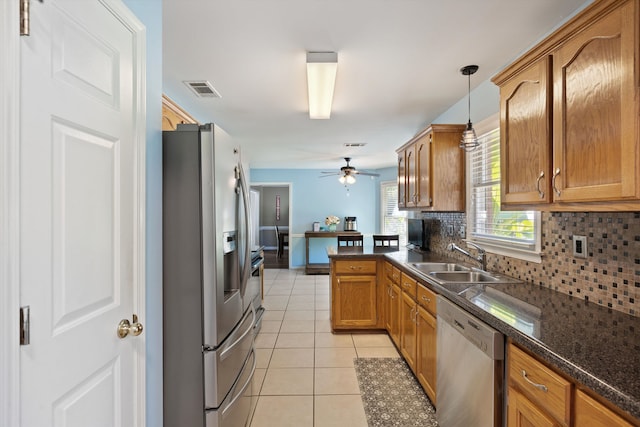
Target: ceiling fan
[348, 173]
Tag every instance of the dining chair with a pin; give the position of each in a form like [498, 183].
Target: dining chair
[350, 240]
[386, 240]
[282, 239]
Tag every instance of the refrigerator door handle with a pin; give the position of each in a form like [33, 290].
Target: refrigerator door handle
[246, 270]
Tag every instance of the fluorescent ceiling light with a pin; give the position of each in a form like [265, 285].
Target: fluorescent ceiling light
[321, 79]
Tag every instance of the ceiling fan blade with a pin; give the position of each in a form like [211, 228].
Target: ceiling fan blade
[367, 173]
[331, 174]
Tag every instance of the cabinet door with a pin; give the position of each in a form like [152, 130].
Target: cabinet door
[525, 136]
[426, 357]
[408, 329]
[402, 179]
[523, 413]
[355, 301]
[410, 165]
[589, 412]
[422, 149]
[595, 154]
[393, 326]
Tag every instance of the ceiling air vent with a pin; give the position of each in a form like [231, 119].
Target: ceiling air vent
[355, 144]
[203, 89]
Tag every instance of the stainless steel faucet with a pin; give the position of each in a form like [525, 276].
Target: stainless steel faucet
[482, 254]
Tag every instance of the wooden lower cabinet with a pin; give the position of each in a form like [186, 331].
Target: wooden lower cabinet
[354, 302]
[590, 412]
[354, 294]
[408, 343]
[426, 352]
[524, 413]
[539, 396]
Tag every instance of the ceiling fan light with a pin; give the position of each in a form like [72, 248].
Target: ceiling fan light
[342, 179]
[322, 68]
[351, 179]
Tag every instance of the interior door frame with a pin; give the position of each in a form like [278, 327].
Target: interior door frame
[289, 186]
[10, 208]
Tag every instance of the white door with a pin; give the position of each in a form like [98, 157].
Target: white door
[80, 209]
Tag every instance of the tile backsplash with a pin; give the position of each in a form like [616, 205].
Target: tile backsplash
[609, 276]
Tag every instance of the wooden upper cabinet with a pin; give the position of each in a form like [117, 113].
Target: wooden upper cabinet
[173, 114]
[570, 135]
[525, 137]
[595, 154]
[431, 170]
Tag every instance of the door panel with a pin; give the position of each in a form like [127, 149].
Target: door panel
[80, 208]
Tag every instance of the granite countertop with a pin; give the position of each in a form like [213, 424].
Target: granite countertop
[597, 346]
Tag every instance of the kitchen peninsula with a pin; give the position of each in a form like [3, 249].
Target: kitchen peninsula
[591, 349]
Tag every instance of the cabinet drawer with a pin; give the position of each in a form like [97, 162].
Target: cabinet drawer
[388, 269]
[540, 384]
[427, 299]
[395, 275]
[408, 285]
[355, 267]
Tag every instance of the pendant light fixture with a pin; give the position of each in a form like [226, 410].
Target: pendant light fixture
[469, 139]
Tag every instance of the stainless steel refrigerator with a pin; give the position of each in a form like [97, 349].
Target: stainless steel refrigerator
[208, 307]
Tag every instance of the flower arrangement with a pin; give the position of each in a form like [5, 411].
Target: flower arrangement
[332, 220]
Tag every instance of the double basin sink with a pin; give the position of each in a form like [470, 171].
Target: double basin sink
[458, 277]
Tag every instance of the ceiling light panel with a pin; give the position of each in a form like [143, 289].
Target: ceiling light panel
[322, 68]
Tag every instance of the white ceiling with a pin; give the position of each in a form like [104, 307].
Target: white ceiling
[398, 67]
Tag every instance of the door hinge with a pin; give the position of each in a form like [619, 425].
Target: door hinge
[25, 325]
[24, 17]
[25, 20]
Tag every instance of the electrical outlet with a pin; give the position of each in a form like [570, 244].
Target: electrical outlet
[461, 232]
[449, 230]
[580, 246]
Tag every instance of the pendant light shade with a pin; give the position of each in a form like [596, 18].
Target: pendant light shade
[469, 139]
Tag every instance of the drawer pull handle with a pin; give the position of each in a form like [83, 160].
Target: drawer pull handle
[541, 387]
[426, 299]
[355, 267]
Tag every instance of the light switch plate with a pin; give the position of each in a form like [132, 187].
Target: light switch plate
[580, 246]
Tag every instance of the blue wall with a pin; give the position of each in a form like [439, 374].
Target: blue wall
[149, 12]
[314, 198]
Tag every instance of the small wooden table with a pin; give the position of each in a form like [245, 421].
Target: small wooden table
[321, 267]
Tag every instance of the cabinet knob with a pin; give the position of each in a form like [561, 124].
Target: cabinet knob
[426, 299]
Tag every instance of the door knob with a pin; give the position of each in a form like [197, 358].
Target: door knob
[125, 327]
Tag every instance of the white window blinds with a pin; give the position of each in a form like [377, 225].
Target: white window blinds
[487, 223]
[393, 220]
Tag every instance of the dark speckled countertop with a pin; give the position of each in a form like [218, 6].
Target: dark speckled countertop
[596, 346]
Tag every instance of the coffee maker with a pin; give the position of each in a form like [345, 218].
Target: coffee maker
[350, 223]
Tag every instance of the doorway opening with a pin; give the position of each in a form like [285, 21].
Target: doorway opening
[270, 218]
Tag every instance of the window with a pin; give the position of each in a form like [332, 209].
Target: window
[393, 221]
[511, 233]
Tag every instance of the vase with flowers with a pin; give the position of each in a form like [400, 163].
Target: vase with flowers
[332, 221]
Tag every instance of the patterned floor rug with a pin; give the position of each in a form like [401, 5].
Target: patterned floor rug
[391, 394]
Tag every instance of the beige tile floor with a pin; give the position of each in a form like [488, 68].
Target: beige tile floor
[305, 375]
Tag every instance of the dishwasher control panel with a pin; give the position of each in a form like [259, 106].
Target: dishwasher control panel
[483, 336]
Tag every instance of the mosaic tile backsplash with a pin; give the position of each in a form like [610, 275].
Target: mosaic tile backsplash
[609, 276]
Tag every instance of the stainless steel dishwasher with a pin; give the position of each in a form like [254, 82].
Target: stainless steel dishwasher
[470, 370]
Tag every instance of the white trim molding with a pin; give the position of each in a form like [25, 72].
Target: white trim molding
[139, 35]
[9, 214]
